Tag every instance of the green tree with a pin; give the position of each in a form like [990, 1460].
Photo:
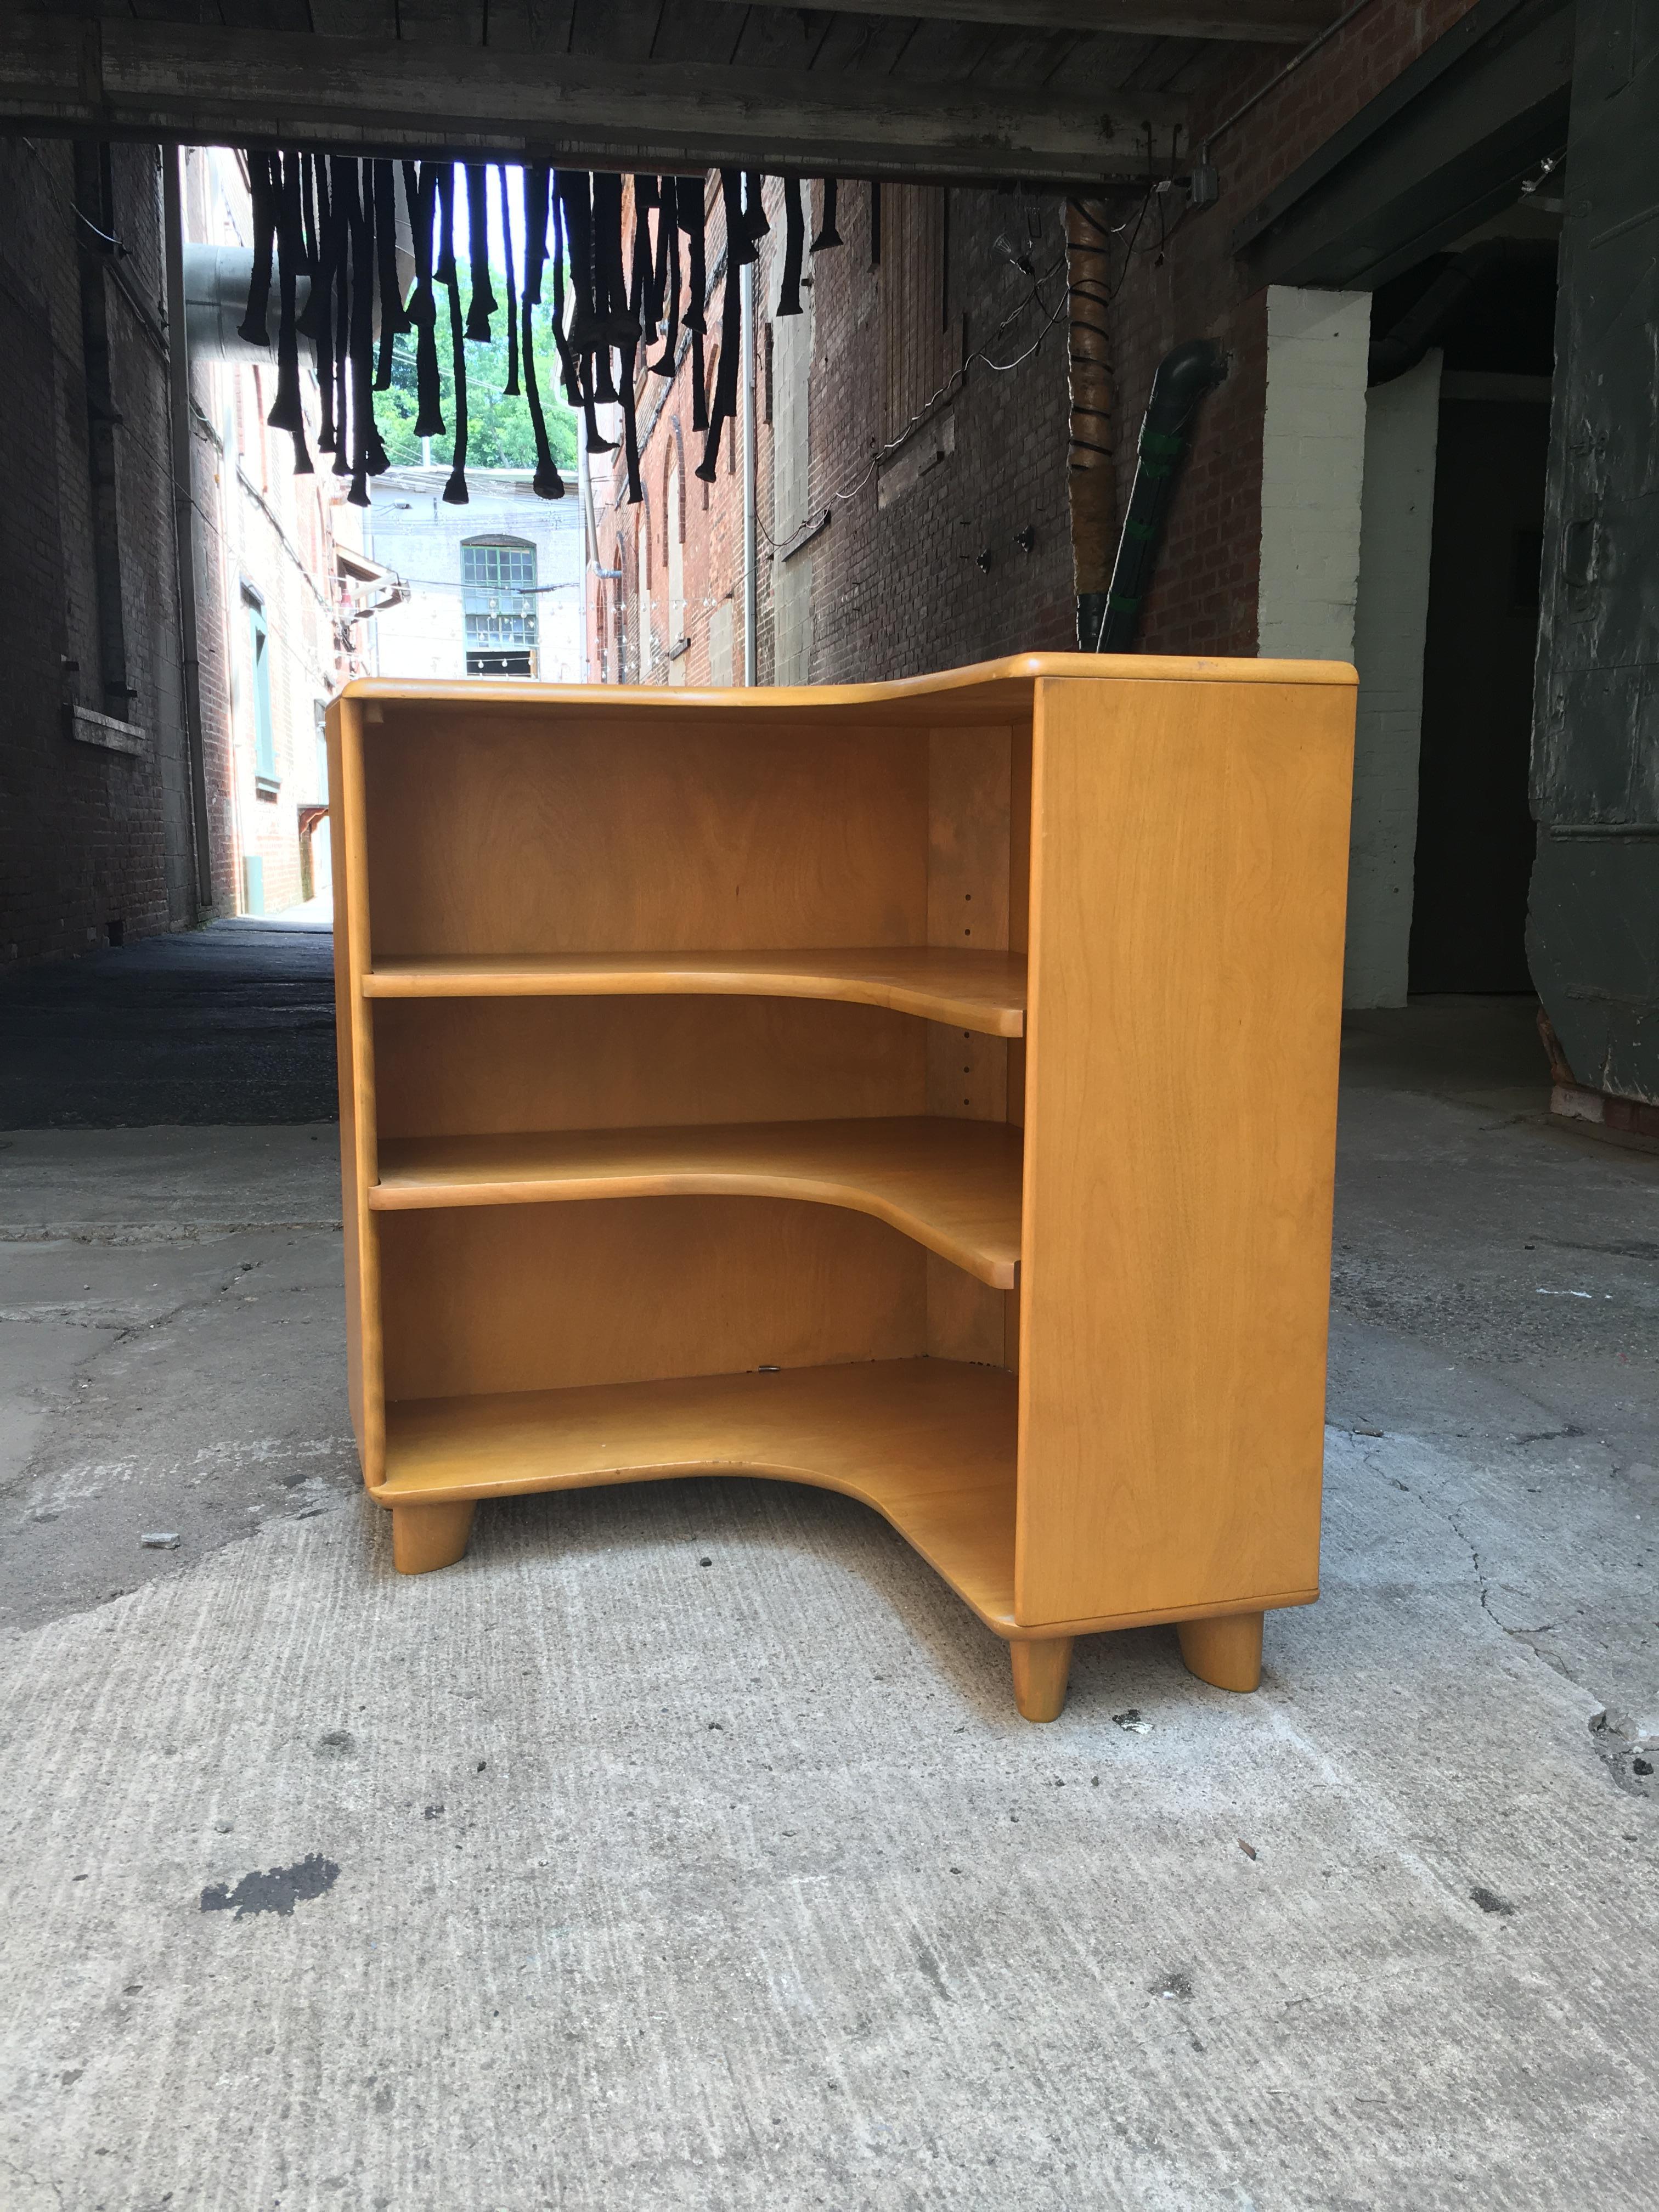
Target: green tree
[498, 430]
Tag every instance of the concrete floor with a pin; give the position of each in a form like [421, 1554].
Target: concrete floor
[681, 1847]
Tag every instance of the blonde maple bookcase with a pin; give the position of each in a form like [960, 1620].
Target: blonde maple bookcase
[923, 1090]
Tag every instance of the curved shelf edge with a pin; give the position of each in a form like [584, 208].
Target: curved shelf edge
[951, 1186]
[982, 990]
[927, 1443]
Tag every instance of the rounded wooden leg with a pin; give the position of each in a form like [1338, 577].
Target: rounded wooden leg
[1041, 1668]
[424, 1537]
[1225, 1649]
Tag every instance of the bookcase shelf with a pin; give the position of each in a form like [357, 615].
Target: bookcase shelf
[928, 1443]
[947, 1072]
[953, 1186]
[981, 991]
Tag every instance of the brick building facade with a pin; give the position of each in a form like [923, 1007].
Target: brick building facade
[1195, 284]
[914, 429]
[924, 560]
[954, 545]
[276, 614]
[95, 787]
[117, 822]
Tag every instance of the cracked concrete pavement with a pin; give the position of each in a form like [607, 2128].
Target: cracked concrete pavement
[170, 1351]
[681, 1847]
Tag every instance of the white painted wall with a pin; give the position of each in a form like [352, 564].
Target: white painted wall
[1402, 420]
[1313, 455]
[721, 645]
[408, 527]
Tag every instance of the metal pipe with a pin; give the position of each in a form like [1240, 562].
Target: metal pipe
[185, 520]
[750, 532]
[590, 543]
[1183, 377]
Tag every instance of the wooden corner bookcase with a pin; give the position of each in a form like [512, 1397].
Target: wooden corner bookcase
[923, 1090]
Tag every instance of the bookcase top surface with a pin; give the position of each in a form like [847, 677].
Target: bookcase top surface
[1003, 686]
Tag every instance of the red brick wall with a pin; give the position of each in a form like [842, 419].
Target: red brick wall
[1187, 285]
[898, 590]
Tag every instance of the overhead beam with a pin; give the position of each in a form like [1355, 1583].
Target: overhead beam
[1260, 23]
[200, 84]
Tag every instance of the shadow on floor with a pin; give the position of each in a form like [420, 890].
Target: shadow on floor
[230, 1024]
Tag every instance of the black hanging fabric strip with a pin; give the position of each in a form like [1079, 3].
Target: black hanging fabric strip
[317, 322]
[455, 491]
[610, 286]
[336, 219]
[288, 412]
[342, 193]
[699, 384]
[305, 166]
[365, 273]
[360, 216]
[620, 323]
[726, 379]
[252, 328]
[483, 303]
[739, 246]
[598, 374]
[630, 422]
[385, 254]
[828, 235]
[422, 306]
[537, 178]
[795, 245]
[668, 273]
[639, 282]
[574, 204]
[568, 369]
[689, 203]
[725, 383]
[510, 389]
[548, 484]
[572, 245]
[642, 322]
[650, 262]
[443, 269]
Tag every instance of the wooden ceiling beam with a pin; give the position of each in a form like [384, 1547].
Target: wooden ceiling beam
[200, 84]
[1264, 22]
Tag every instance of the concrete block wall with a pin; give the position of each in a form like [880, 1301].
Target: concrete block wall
[1313, 464]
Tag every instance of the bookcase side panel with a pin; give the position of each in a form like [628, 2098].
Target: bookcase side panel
[589, 833]
[1189, 852]
[540, 1297]
[355, 1044]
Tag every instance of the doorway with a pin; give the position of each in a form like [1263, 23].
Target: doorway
[1489, 305]
[1476, 835]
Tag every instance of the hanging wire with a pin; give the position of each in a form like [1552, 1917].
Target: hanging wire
[981, 358]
